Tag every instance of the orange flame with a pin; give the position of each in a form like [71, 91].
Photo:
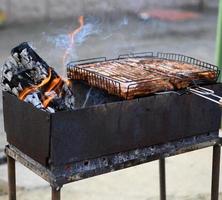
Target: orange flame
[72, 38]
[28, 90]
[25, 92]
[55, 84]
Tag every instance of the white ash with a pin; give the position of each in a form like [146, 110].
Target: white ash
[35, 101]
[24, 69]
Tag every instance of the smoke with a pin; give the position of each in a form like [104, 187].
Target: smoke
[94, 29]
[87, 30]
[63, 40]
[91, 27]
[59, 41]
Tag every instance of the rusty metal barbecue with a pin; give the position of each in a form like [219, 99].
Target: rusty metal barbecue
[97, 139]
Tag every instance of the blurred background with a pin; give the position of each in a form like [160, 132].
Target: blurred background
[93, 28]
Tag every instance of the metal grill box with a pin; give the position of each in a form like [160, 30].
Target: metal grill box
[70, 136]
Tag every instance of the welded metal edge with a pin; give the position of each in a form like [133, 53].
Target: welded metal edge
[93, 167]
[76, 171]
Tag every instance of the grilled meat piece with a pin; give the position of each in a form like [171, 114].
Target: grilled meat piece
[131, 77]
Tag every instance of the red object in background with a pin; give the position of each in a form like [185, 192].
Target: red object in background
[169, 15]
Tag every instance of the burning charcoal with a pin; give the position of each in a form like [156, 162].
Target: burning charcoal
[29, 77]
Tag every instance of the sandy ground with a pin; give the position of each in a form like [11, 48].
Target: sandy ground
[188, 175]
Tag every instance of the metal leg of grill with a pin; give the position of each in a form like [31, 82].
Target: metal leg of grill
[162, 176]
[11, 178]
[56, 193]
[215, 172]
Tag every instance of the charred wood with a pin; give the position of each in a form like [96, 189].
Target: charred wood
[30, 78]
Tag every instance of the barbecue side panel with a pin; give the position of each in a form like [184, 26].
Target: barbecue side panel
[110, 128]
[27, 128]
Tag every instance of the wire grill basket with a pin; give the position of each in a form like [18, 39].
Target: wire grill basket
[129, 85]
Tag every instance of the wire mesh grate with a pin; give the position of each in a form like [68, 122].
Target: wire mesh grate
[127, 87]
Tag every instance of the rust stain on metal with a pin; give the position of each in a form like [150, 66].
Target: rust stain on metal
[60, 175]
